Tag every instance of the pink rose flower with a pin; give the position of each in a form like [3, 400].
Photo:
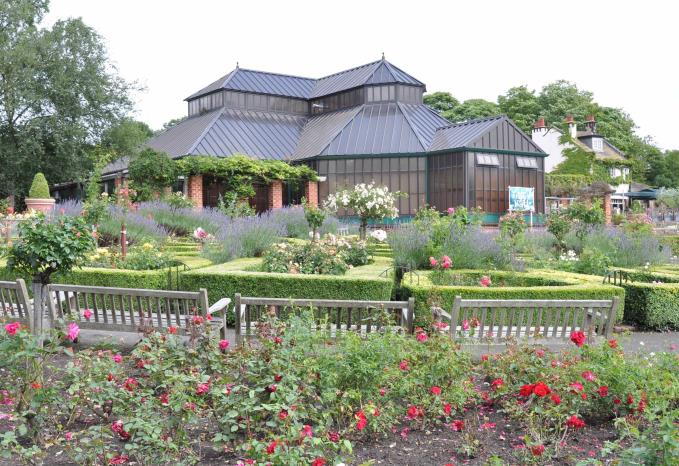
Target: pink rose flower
[87, 314]
[117, 358]
[223, 344]
[73, 331]
[433, 262]
[12, 328]
[485, 281]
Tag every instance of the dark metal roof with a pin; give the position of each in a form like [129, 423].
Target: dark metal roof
[257, 134]
[463, 134]
[241, 79]
[376, 129]
[320, 130]
[181, 138]
[261, 82]
[117, 166]
[424, 121]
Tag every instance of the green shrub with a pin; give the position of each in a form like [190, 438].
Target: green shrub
[573, 287]
[225, 280]
[152, 171]
[39, 188]
[654, 306]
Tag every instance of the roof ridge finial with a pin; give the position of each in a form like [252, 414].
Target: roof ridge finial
[382, 56]
[237, 64]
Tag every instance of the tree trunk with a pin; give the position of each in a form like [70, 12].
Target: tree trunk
[39, 296]
[363, 228]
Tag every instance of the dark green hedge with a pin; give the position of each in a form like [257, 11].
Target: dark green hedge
[651, 305]
[424, 292]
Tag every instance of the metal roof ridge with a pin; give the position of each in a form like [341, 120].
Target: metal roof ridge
[474, 121]
[205, 130]
[391, 65]
[412, 126]
[356, 110]
[278, 74]
[350, 69]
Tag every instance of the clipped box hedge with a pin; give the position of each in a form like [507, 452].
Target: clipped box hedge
[240, 276]
[654, 306]
[672, 242]
[557, 285]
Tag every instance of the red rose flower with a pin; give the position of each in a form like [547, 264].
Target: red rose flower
[484, 357]
[447, 408]
[616, 401]
[278, 377]
[457, 426]
[283, 414]
[306, 431]
[361, 420]
[119, 459]
[603, 390]
[496, 384]
[272, 388]
[537, 450]
[575, 422]
[171, 329]
[526, 390]
[271, 448]
[334, 437]
[630, 400]
[541, 389]
[589, 376]
[613, 343]
[556, 399]
[319, 462]
[578, 338]
[435, 390]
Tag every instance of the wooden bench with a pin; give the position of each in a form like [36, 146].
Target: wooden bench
[15, 305]
[338, 316]
[132, 309]
[500, 320]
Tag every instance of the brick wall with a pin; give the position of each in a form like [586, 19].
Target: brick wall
[311, 192]
[195, 190]
[608, 208]
[276, 195]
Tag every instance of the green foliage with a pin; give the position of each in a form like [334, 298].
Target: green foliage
[451, 109]
[566, 185]
[672, 242]
[593, 262]
[512, 226]
[559, 224]
[230, 205]
[314, 217]
[44, 247]
[668, 198]
[240, 172]
[225, 280]
[331, 256]
[424, 292]
[151, 172]
[146, 256]
[60, 93]
[653, 306]
[665, 171]
[585, 216]
[178, 201]
[39, 188]
[125, 137]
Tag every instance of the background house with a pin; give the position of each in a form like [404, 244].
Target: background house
[367, 123]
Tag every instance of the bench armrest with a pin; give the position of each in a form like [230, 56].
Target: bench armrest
[220, 306]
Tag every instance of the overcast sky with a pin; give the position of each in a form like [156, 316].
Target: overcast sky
[625, 52]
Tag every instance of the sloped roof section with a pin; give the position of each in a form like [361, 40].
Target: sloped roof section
[180, 139]
[496, 132]
[424, 121]
[376, 129]
[257, 134]
[321, 130]
[262, 82]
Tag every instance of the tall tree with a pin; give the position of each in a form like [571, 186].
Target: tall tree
[562, 98]
[126, 137]
[521, 105]
[58, 93]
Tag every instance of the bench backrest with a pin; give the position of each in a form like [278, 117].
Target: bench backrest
[14, 302]
[363, 316]
[124, 309]
[500, 319]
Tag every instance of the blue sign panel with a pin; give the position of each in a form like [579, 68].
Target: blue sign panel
[521, 199]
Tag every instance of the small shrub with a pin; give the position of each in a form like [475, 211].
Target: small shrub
[410, 246]
[470, 247]
[178, 201]
[559, 224]
[230, 205]
[39, 188]
[332, 256]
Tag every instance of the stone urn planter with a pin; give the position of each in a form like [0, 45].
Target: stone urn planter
[40, 205]
[39, 195]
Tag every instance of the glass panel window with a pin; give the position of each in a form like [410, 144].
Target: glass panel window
[527, 162]
[487, 159]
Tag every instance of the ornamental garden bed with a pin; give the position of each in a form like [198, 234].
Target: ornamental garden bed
[512, 285]
[300, 398]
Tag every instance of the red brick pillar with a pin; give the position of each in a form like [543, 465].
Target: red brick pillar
[276, 195]
[117, 182]
[195, 191]
[608, 208]
[311, 193]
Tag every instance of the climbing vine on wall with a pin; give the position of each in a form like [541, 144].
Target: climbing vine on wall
[239, 172]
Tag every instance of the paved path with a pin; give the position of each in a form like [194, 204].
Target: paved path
[635, 342]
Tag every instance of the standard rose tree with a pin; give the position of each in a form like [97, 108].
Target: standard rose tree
[367, 201]
[46, 247]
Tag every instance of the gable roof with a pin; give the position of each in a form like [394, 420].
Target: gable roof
[180, 139]
[241, 79]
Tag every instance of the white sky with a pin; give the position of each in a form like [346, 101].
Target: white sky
[625, 52]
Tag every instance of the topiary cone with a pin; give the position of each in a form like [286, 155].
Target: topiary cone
[39, 195]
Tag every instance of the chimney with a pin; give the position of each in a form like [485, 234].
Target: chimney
[590, 123]
[539, 126]
[572, 127]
